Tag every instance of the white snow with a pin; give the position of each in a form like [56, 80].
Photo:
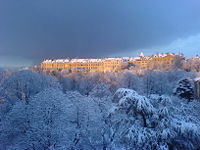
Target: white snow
[197, 79]
[141, 57]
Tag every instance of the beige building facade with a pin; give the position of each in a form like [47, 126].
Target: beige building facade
[108, 64]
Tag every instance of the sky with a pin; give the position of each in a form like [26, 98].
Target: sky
[34, 30]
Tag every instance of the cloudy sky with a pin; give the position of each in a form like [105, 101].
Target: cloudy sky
[33, 30]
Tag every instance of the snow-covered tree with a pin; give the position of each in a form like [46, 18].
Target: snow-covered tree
[131, 113]
[87, 115]
[48, 121]
[134, 104]
[100, 90]
[14, 126]
[22, 85]
[192, 64]
[185, 89]
[39, 124]
[167, 123]
[83, 113]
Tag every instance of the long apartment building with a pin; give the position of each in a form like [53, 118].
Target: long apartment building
[108, 64]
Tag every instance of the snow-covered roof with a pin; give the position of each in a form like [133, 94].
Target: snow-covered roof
[194, 58]
[84, 60]
[75, 60]
[134, 58]
[197, 79]
[159, 55]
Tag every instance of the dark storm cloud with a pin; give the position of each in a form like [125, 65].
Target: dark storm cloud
[38, 29]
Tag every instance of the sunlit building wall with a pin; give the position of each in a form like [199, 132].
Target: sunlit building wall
[108, 64]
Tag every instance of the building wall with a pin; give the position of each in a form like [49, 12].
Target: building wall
[145, 63]
[107, 65]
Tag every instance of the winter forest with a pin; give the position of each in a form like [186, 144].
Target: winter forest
[135, 109]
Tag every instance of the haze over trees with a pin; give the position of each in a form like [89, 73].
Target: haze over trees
[133, 109]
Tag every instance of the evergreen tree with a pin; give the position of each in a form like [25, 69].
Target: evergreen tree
[185, 89]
